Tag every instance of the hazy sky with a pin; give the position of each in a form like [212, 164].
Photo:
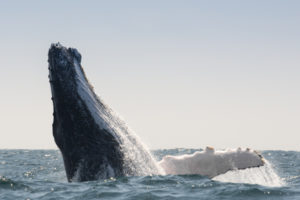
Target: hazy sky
[181, 73]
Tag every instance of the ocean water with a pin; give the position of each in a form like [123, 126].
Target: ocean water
[39, 174]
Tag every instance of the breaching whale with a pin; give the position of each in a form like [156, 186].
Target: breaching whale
[94, 142]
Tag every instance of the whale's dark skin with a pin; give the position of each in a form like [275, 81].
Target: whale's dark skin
[89, 152]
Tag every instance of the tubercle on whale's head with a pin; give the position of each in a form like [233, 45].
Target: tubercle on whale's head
[61, 61]
[62, 71]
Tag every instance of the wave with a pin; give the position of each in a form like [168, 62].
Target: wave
[6, 183]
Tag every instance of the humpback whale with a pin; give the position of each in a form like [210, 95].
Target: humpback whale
[94, 142]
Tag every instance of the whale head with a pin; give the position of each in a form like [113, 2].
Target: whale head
[90, 151]
[62, 72]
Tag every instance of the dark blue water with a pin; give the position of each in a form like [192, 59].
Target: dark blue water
[39, 174]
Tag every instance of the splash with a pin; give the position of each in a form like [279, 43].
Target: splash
[264, 175]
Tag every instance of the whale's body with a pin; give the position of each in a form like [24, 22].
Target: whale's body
[94, 142]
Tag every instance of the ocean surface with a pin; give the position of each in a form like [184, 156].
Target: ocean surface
[40, 174]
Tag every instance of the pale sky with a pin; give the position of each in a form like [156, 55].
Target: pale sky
[181, 73]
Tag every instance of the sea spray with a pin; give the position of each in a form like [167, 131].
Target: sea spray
[264, 175]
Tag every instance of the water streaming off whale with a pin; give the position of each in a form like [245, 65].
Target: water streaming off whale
[97, 144]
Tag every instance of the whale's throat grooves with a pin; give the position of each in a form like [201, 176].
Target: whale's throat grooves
[94, 141]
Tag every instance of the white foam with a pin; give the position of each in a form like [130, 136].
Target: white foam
[264, 175]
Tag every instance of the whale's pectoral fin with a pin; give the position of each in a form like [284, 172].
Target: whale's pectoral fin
[211, 163]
